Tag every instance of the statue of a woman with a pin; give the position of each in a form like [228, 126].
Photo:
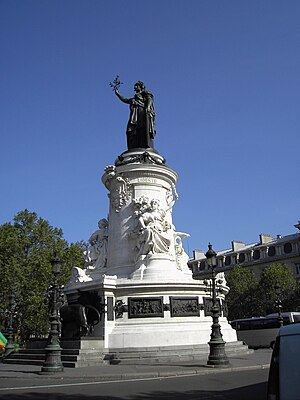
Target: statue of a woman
[97, 252]
[152, 230]
[141, 125]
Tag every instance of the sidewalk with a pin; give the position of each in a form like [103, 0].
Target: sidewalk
[260, 359]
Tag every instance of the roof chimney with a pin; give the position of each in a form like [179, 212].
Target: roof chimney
[236, 245]
[264, 238]
[198, 254]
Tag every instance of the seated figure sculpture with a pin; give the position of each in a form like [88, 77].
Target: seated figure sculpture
[151, 229]
[96, 255]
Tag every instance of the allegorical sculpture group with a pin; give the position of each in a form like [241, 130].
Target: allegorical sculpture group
[150, 230]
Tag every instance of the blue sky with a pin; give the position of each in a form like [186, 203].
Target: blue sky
[225, 78]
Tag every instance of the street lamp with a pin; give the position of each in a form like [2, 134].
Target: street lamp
[53, 350]
[9, 348]
[278, 303]
[217, 357]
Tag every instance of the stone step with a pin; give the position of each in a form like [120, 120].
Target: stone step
[27, 356]
[73, 353]
[70, 357]
[83, 357]
[22, 361]
[79, 344]
[76, 357]
[197, 347]
[79, 351]
[66, 364]
[169, 354]
[83, 344]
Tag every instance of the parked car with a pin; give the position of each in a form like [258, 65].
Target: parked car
[284, 374]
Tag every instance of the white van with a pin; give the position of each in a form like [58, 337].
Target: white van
[284, 374]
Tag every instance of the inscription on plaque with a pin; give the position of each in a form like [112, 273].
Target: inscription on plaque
[208, 303]
[184, 306]
[147, 180]
[145, 307]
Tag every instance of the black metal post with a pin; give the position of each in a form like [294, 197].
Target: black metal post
[10, 348]
[278, 303]
[53, 350]
[217, 357]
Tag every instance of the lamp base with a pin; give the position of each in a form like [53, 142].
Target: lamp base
[53, 361]
[217, 357]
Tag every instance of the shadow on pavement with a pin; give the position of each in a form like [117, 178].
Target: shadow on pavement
[23, 372]
[257, 391]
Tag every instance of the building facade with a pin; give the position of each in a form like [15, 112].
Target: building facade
[256, 256]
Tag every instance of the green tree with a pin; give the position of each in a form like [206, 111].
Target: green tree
[295, 299]
[26, 248]
[271, 275]
[241, 298]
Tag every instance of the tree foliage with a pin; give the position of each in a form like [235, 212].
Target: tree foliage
[248, 297]
[276, 274]
[243, 285]
[26, 248]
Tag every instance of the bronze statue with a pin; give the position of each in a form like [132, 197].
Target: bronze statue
[141, 125]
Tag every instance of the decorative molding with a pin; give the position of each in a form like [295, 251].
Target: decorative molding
[118, 186]
[120, 194]
[143, 158]
[181, 257]
[171, 196]
[120, 308]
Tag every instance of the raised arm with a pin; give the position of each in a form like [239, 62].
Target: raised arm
[124, 99]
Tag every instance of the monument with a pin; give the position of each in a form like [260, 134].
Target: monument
[136, 273]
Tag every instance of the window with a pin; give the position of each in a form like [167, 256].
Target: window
[287, 247]
[271, 251]
[296, 318]
[227, 260]
[242, 257]
[202, 265]
[256, 255]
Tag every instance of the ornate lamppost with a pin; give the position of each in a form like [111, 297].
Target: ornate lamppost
[278, 302]
[9, 348]
[217, 356]
[53, 350]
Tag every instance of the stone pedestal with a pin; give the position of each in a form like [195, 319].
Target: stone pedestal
[145, 286]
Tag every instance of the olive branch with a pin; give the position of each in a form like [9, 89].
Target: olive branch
[116, 83]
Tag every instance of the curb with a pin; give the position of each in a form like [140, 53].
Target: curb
[138, 375]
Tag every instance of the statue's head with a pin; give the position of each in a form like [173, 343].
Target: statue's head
[103, 223]
[155, 204]
[139, 86]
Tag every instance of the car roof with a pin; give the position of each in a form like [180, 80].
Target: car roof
[292, 329]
